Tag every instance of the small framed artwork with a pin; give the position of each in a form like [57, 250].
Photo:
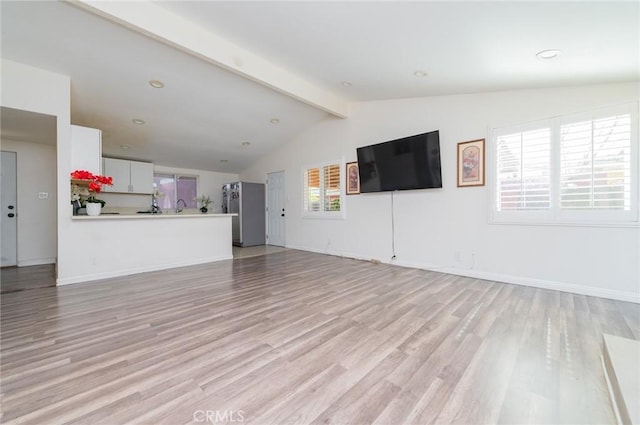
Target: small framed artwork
[353, 178]
[471, 163]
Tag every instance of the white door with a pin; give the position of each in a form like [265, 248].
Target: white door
[8, 225]
[275, 208]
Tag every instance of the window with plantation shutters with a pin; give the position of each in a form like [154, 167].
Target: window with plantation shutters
[312, 190]
[322, 195]
[595, 164]
[331, 188]
[570, 169]
[524, 170]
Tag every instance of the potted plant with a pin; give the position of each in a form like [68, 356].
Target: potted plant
[204, 202]
[87, 195]
[94, 205]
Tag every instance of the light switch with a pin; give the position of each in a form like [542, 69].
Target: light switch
[43, 195]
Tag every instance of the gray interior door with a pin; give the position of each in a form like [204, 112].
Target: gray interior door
[9, 207]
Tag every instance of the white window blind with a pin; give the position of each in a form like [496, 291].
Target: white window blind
[331, 192]
[595, 164]
[322, 190]
[580, 168]
[312, 189]
[523, 170]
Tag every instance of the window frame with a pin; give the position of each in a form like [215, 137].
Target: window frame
[555, 215]
[176, 176]
[515, 216]
[339, 215]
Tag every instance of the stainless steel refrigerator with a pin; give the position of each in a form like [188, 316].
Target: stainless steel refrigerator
[248, 201]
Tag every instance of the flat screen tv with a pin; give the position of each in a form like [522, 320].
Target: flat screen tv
[408, 163]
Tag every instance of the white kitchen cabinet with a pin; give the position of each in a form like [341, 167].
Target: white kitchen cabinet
[86, 149]
[141, 177]
[119, 169]
[128, 176]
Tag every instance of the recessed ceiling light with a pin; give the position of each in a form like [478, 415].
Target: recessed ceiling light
[548, 54]
[346, 83]
[275, 121]
[138, 121]
[245, 144]
[420, 74]
[125, 147]
[224, 161]
[156, 84]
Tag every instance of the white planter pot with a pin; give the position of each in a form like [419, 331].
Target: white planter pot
[93, 208]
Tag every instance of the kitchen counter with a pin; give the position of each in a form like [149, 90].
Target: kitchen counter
[123, 244]
[145, 216]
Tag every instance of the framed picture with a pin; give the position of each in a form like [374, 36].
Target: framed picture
[353, 178]
[471, 163]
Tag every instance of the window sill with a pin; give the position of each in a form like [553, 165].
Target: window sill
[620, 224]
[323, 217]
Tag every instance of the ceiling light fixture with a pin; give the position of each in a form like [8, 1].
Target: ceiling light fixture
[224, 161]
[125, 147]
[156, 84]
[138, 121]
[346, 83]
[245, 144]
[420, 74]
[275, 121]
[548, 54]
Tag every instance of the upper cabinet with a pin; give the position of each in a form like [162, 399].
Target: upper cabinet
[119, 169]
[86, 149]
[128, 176]
[141, 177]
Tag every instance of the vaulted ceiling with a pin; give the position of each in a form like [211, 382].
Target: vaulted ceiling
[242, 78]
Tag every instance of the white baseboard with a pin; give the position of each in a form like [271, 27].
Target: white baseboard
[36, 262]
[136, 270]
[573, 288]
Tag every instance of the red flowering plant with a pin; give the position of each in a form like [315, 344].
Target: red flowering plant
[94, 186]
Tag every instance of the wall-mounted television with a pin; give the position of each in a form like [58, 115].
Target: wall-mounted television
[402, 164]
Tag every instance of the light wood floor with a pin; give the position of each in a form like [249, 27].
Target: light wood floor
[302, 338]
[253, 251]
[13, 279]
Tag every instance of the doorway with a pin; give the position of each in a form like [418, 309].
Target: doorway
[9, 220]
[28, 206]
[275, 209]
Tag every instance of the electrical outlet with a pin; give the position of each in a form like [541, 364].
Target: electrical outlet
[43, 195]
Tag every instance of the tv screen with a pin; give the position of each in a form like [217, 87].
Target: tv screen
[408, 163]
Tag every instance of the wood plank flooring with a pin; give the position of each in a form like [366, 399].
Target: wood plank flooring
[302, 338]
[13, 279]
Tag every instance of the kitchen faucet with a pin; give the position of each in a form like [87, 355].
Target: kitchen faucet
[184, 205]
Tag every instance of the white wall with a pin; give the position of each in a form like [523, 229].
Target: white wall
[118, 201]
[432, 225]
[36, 217]
[32, 89]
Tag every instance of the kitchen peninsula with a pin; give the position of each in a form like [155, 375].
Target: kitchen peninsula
[125, 244]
